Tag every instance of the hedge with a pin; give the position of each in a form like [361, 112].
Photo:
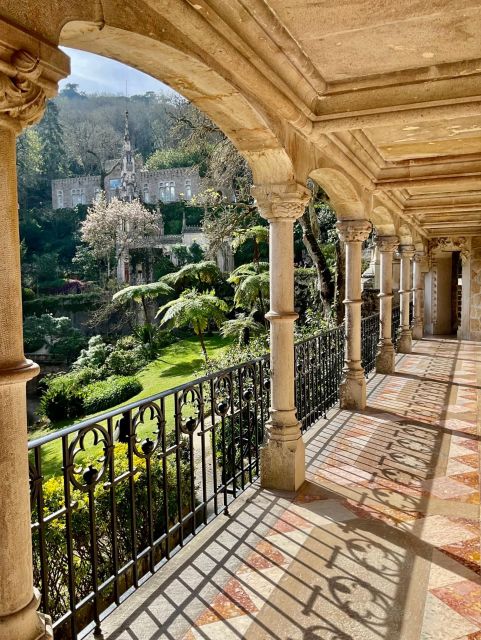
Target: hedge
[102, 395]
[74, 394]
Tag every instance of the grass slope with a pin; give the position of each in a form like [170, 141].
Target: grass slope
[177, 364]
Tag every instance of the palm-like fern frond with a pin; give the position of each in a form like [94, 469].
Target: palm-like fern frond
[194, 309]
[241, 326]
[245, 270]
[251, 289]
[137, 292]
[205, 272]
[257, 233]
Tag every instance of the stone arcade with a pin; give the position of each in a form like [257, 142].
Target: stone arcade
[378, 102]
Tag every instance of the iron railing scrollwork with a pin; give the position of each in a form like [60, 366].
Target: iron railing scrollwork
[115, 496]
[369, 342]
[396, 325]
[319, 362]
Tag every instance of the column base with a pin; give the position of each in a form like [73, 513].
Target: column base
[386, 359]
[27, 624]
[405, 343]
[352, 392]
[283, 465]
[417, 332]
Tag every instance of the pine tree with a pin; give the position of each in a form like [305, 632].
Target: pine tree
[53, 146]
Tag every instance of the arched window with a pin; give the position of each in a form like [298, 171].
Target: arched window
[161, 191]
[146, 193]
[60, 198]
[188, 189]
[172, 191]
[78, 197]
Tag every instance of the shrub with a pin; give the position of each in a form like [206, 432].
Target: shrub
[55, 533]
[125, 362]
[105, 394]
[95, 355]
[63, 398]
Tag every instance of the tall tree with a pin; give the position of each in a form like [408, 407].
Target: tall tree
[52, 142]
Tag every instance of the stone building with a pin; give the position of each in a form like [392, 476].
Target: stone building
[127, 182]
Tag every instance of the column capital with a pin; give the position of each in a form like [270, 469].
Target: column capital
[29, 74]
[387, 244]
[353, 230]
[286, 201]
[406, 250]
[418, 256]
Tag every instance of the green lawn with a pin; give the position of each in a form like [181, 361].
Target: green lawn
[177, 364]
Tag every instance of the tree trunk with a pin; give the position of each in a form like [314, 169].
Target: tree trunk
[145, 308]
[202, 344]
[340, 281]
[263, 309]
[325, 282]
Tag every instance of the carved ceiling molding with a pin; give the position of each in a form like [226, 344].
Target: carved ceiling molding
[459, 243]
[22, 99]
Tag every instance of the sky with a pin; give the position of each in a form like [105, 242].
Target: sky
[96, 74]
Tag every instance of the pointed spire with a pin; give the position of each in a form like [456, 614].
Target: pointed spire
[127, 132]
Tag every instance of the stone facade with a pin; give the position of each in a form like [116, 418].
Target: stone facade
[165, 185]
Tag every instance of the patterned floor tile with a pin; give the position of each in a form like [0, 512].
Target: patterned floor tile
[464, 598]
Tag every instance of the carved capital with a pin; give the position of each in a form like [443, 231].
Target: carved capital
[406, 250]
[22, 98]
[281, 201]
[418, 256]
[353, 230]
[387, 244]
[460, 244]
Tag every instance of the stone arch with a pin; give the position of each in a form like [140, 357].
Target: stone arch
[239, 117]
[342, 192]
[405, 234]
[382, 221]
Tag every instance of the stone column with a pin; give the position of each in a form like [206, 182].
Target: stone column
[405, 338]
[353, 385]
[282, 455]
[418, 291]
[385, 357]
[22, 101]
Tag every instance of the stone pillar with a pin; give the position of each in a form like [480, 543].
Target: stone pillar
[405, 338]
[385, 357]
[25, 83]
[418, 291]
[353, 385]
[282, 455]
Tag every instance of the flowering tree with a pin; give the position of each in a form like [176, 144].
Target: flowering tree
[116, 227]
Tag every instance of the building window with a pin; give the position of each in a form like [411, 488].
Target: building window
[188, 189]
[161, 191]
[60, 198]
[146, 193]
[78, 197]
[172, 192]
[97, 193]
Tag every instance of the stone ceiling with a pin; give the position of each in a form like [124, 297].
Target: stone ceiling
[388, 93]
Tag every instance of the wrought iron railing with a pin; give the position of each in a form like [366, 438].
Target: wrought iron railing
[396, 325]
[319, 361]
[369, 342]
[115, 496]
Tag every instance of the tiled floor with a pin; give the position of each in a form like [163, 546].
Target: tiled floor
[382, 542]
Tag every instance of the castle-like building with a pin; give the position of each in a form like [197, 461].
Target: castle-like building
[151, 187]
[126, 182]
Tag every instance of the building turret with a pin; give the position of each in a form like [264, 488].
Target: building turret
[128, 190]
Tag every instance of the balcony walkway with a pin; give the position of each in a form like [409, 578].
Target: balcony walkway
[382, 542]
